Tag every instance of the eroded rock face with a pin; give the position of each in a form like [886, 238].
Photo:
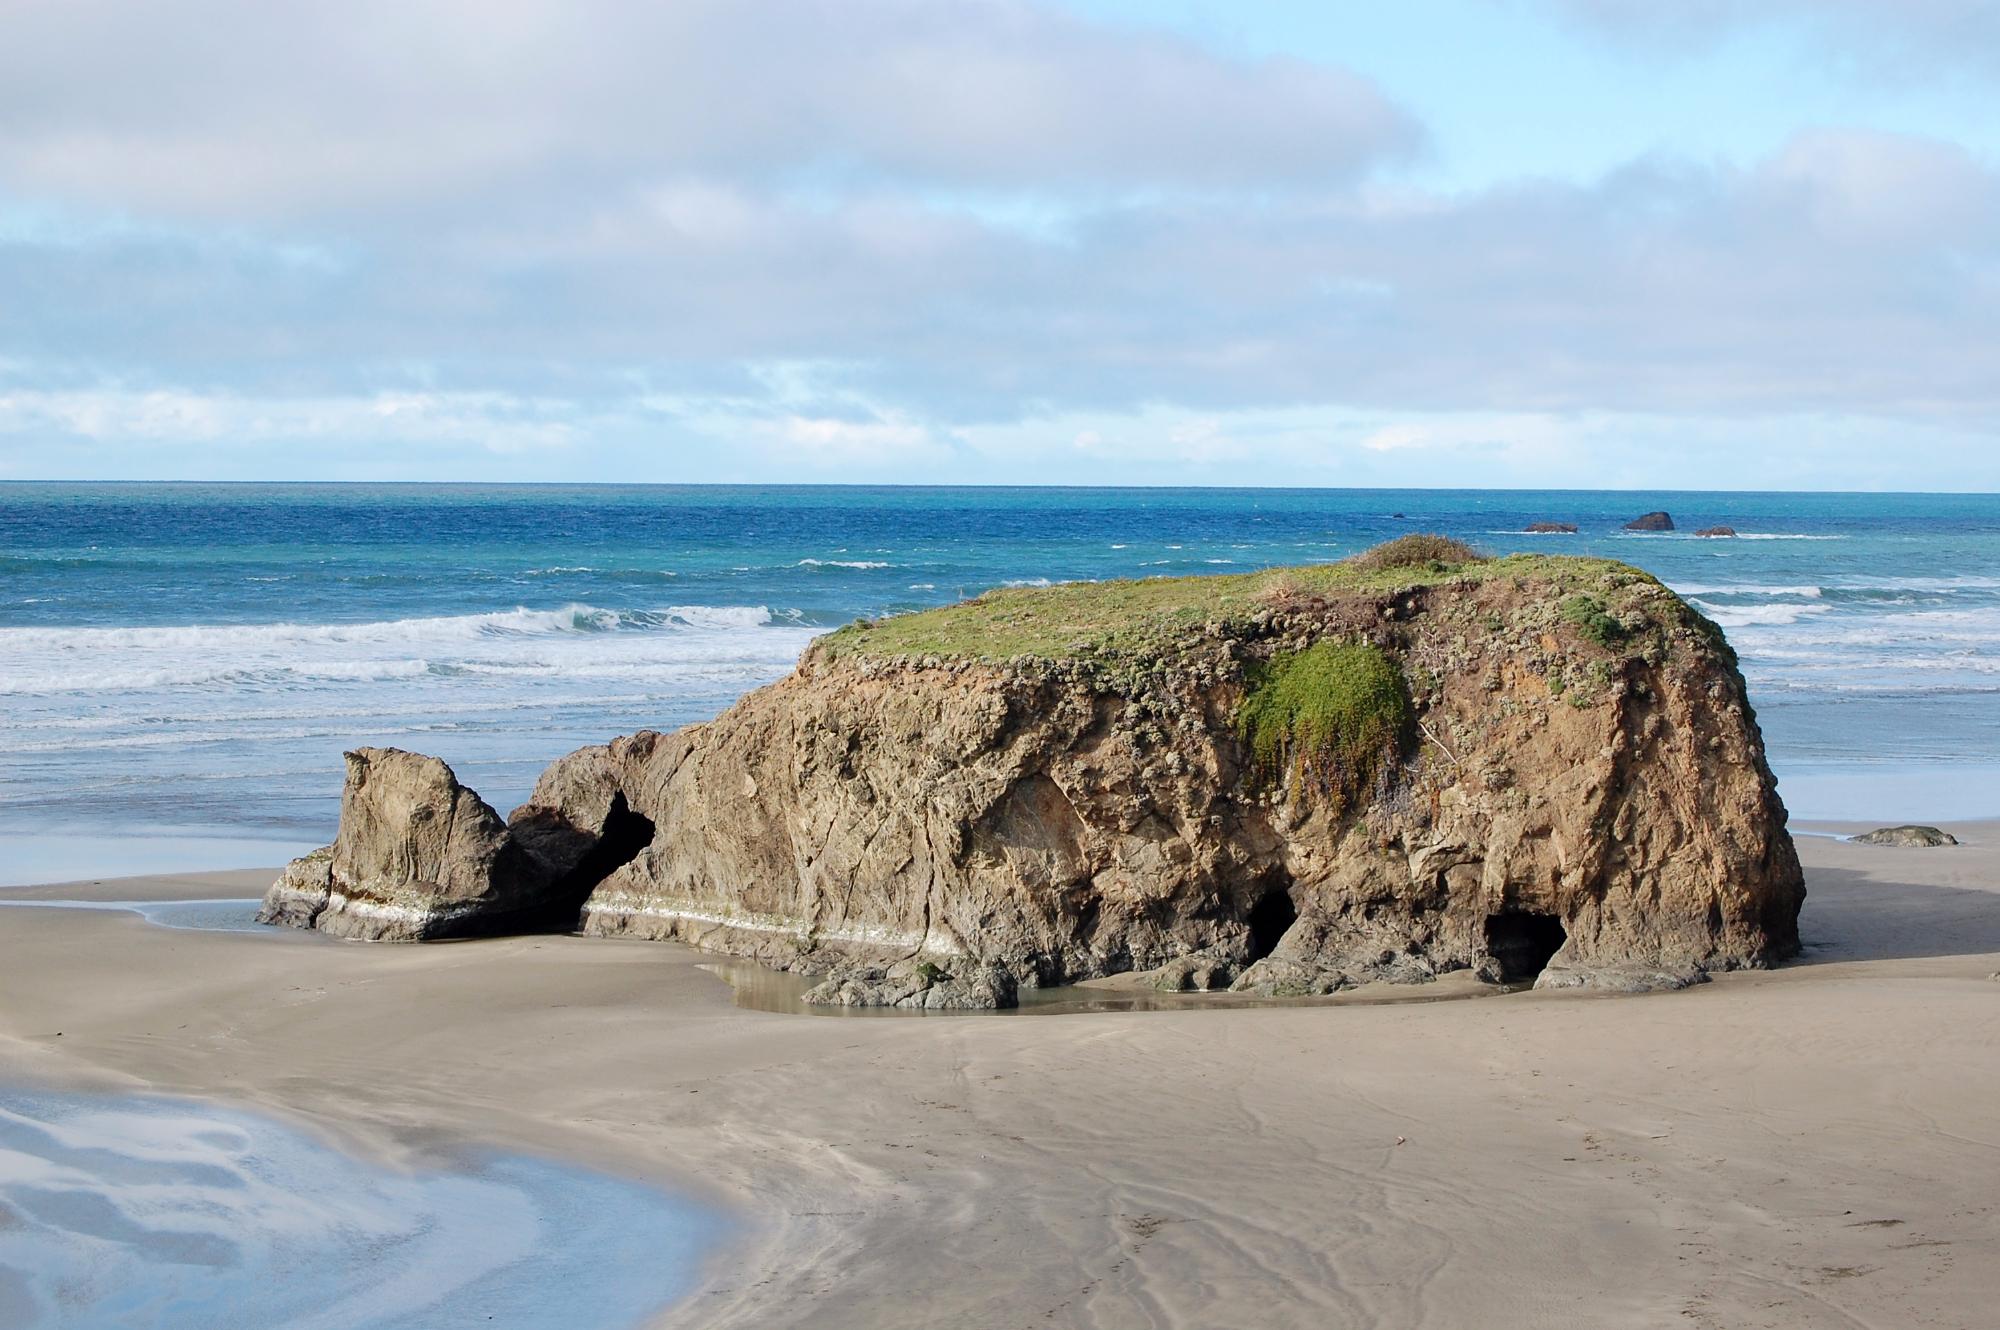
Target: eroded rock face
[419, 857]
[1039, 818]
[1583, 800]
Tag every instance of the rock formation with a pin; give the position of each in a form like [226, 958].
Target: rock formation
[1550, 528]
[1716, 532]
[1909, 837]
[1651, 522]
[1289, 782]
[421, 857]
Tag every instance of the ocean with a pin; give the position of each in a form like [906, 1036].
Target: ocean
[181, 665]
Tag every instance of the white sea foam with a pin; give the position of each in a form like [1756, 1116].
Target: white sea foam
[843, 563]
[1743, 616]
[575, 638]
[1744, 589]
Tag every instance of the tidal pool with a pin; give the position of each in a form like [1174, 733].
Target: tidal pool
[234, 914]
[140, 1211]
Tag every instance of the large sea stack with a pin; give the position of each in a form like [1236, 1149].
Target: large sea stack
[1287, 782]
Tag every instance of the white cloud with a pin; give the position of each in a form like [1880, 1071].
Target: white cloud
[1904, 38]
[491, 422]
[864, 236]
[378, 106]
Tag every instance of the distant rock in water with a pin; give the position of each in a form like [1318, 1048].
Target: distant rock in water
[1913, 837]
[1651, 522]
[1291, 781]
[1550, 528]
[1714, 532]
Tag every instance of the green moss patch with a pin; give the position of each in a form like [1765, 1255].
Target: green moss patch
[1594, 621]
[1328, 717]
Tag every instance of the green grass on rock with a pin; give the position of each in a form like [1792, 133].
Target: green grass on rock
[1329, 717]
[1152, 618]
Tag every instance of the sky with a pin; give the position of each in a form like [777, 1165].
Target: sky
[1732, 244]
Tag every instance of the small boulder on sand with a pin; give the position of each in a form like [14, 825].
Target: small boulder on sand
[1913, 837]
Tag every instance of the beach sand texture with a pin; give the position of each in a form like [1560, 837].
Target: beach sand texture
[1812, 1146]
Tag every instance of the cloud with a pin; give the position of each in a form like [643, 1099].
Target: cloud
[867, 235]
[349, 110]
[1847, 272]
[1906, 38]
[490, 422]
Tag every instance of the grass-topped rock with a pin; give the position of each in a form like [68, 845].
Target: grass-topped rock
[1156, 619]
[1295, 780]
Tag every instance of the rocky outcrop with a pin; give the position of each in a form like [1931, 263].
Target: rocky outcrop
[1651, 522]
[1540, 769]
[1550, 528]
[420, 857]
[1909, 837]
[1716, 532]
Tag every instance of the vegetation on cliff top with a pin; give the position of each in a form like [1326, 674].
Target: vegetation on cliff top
[1328, 717]
[1417, 550]
[1148, 618]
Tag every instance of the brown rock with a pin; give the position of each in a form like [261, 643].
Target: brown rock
[1716, 532]
[419, 856]
[1908, 837]
[1582, 799]
[1550, 528]
[1062, 825]
[1651, 522]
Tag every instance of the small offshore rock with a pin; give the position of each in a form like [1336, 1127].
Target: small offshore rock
[1716, 532]
[1550, 528]
[1651, 522]
[1908, 837]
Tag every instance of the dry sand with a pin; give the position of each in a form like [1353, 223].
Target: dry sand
[1813, 1146]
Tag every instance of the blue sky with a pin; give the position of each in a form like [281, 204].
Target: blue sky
[1729, 243]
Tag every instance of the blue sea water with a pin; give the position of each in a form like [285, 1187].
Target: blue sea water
[188, 661]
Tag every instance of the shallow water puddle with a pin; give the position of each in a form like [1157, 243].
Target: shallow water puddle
[140, 1211]
[222, 915]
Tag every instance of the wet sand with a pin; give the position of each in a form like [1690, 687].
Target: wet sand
[1812, 1146]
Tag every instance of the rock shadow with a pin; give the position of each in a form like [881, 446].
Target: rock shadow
[1852, 915]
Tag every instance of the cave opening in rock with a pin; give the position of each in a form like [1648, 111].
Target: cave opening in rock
[625, 834]
[1522, 942]
[1269, 919]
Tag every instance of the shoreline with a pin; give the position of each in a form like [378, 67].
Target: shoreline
[1434, 1163]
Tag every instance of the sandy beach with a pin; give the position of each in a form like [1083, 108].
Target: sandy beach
[1810, 1146]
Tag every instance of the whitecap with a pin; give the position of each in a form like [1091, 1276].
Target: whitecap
[1743, 616]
